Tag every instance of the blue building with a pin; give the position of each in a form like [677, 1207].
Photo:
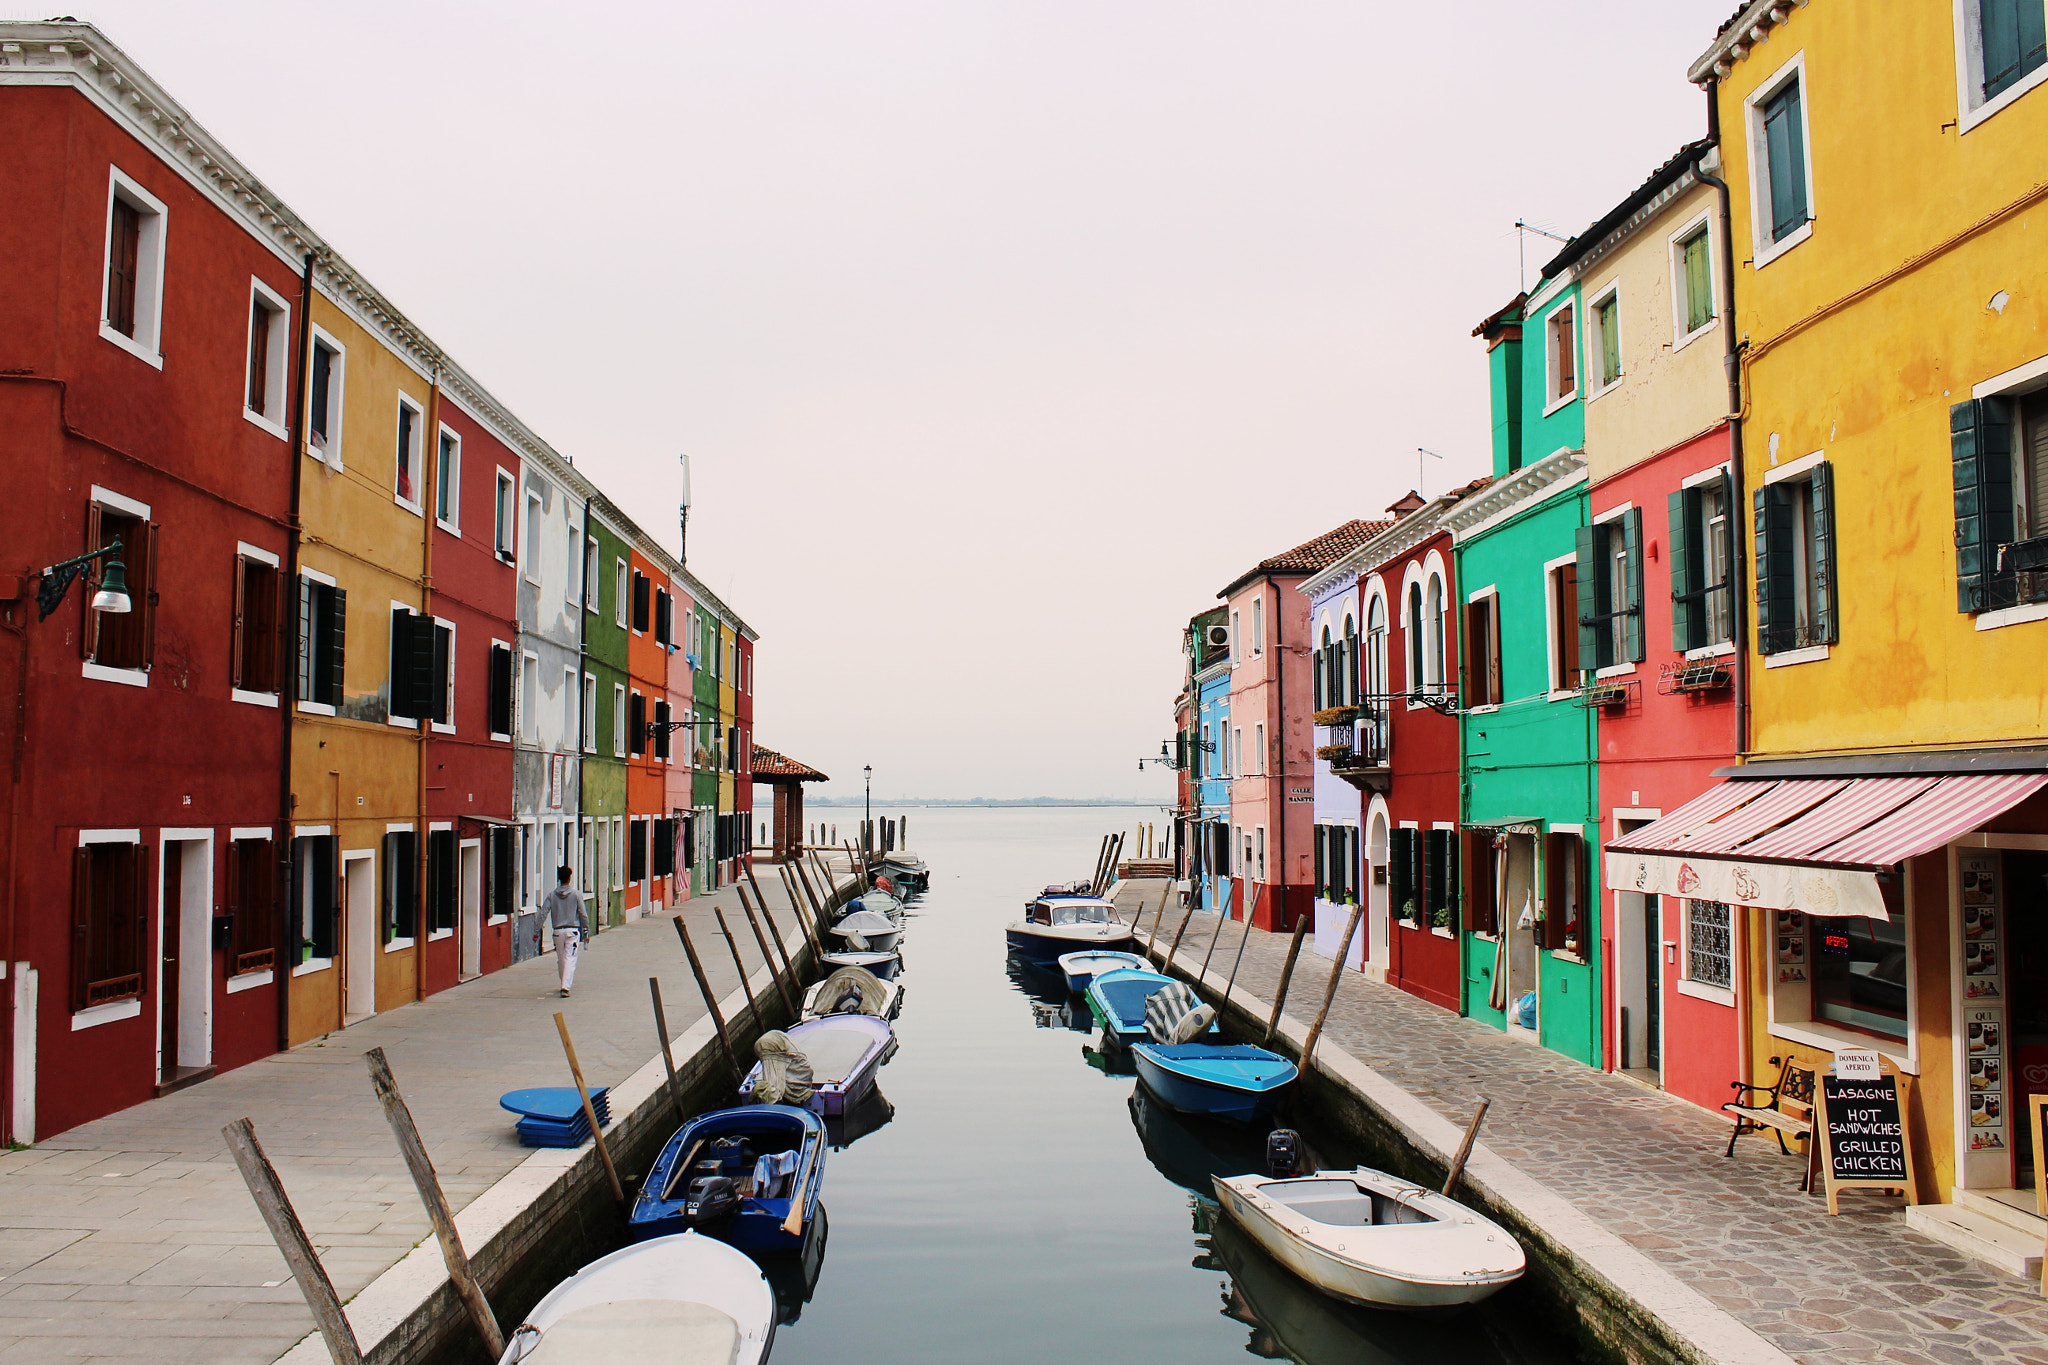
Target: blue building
[1208, 843]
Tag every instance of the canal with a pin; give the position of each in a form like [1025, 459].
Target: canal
[1024, 1204]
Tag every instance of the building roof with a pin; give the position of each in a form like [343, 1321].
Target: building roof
[770, 766]
[1500, 316]
[1645, 194]
[1751, 23]
[1311, 555]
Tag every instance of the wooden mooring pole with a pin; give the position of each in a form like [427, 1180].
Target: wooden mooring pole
[1315, 1030]
[414, 1150]
[1174, 947]
[1286, 976]
[668, 1062]
[1465, 1147]
[296, 1247]
[753, 1010]
[604, 1155]
[761, 940]
[710, 1000]
[1239, 960]
[771, 946]
[804, 917]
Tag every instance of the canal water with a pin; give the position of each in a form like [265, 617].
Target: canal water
[1024, 1204]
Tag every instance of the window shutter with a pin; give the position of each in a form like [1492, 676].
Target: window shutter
[326, 896]
[234, 896]
[1699, 284]
[337, 635]
[1785, 147]
[308, 651]
[1775, 625]
[1322, 874]
[241, 620]
[1316, 671]
[1827, 616]
[276, 609]
[138, 901]
[1980, 448]
[1451, 884]
[81, 926]
[89, 633]
[147, 602]
[1632, 554]
[442, 664]
[422, 663]
[1686, 610]
[1590, 580]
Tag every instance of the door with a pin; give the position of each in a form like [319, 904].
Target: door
[185, 937]
[1653, 986]
[1518, 922]
[1378, 926]
[472, 890]
[2026, 954]
[359, 913]
[171, 936]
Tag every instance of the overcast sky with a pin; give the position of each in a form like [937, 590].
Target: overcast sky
[1001, 336]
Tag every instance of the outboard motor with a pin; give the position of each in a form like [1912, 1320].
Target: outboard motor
[711, 1199]
[1284, 1154]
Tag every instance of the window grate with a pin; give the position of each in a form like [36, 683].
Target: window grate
[1707, 956]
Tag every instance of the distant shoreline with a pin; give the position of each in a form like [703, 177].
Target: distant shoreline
[1029, 802]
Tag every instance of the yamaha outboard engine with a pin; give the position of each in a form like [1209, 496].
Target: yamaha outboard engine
[1284, 1153]
[711, 1199]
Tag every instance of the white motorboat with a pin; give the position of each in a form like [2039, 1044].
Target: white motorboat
[1367, 1237]
[830, 996]
[869, 930]
[1054, 926]
[682, 1300]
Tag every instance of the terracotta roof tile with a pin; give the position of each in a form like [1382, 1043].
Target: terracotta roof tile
[769, 765]
[1311, 555]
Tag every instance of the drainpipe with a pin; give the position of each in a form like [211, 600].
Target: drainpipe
[582, 671]
[287, 698]
[430, 475]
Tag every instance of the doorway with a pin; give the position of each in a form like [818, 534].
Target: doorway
[2026, 937]
[1639, 987]
[359, 913]
[185, 935]
[472, 893]
[1378, 931]
[1518, 923]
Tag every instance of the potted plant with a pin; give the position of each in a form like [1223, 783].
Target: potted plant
[1334, 753]
[1336, 715]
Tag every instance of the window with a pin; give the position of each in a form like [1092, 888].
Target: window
[1702, 610]
[619, 593]
[1258, 626]
[1781, 180]
[323, 399]
[323, 642]
[1347, 664]
[533, 516]
[1379, 726]
[589, 730]
[1795, 560]
[1320, 670]
[1692, 281]
[1259, 853]
[1205, 764]
[259, 590]
[664, 618]
[1999, 449]
[1237, 750]
[640, 602]
[590, 573]
[1404, 874]
[109, 923]
[407, 464]
[131, 304]
[263, 396]
[121, 640]
[1259, 746]
[1482, 651]
[1606, 346]
[314, 898]
[503, 512]
[252, 906]
[500, 699]
[618, 720]
[664, 848]
[1433, 663]
[636, 724]
[529, 698]
[1440, 876]
[1562, 586]
[1233, 637]
[1709, 956]
[2012, 44]
[422, 667]
[501, 869]
[2030, 470]
[1608, 576]
[661, 744]
[571, 710]
[1482, 901]
[732, 748]
[1859, 972]
[400, 917]
[1564, 905]
[448, 482]
[1563, 345]
[637, 851]
[442, 862]
[1414, 680]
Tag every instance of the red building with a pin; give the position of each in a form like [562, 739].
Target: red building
[146, 338]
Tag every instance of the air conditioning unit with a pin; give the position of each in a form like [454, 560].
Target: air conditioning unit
[1219, 637]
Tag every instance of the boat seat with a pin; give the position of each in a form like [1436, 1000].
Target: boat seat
[639, 1332]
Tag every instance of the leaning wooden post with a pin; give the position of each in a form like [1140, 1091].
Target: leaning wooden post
[710, 1000]
[604, 1155]
[1158, 916]
[429, 1185]
[775, 937]
[1239, 961]
[804, 917]
[1215, 938]
[746, 984]
[1465, 1147]
[668, 1061]
[290, 1235]
[1315, 1030]
[771, 947]
[761, 941]
[821, 912]
[1174, 947]
[1101, 853]
[1286, 975]
[755, 882]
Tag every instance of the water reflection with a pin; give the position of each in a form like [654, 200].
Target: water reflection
[1052, 1004]
[871, 1112]
[793, 1275]
[1189, 1150]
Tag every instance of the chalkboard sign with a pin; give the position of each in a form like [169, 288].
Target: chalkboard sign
[1863, 1137]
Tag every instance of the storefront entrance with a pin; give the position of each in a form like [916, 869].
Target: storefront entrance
[2026, 952]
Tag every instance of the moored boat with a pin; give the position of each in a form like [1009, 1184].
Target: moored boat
[883, 965]
[1367, 1237]
[844, 1052]
[1117, 998]
[868, 931]
[734, 1174]
[1083, 967]
[853, 990]
[1223, 1080]
[686, 1300]
[1055, 925]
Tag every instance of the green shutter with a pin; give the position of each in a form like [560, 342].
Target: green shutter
[1980, 452]
[1591, 581]
[1827, 625]
[2015, 42]
[1632, 547]
[1775, 622]
[1688, 609]
[1785, 147]
[1322, 863]
[337, 643]
[1451, 884]
[1401, 871]
[1699, 284]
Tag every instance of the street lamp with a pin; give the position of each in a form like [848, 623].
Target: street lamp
[112, 596]
[867, 807]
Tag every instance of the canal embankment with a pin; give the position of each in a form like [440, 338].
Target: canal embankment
[1647, 1243]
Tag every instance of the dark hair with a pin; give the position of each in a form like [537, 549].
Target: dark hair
[564, 872]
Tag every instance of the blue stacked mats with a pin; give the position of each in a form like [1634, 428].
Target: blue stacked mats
[552, 1115]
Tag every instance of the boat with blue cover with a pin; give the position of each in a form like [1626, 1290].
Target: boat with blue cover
[1225, 1080]
[1117, 1000]
[1083, 967]
[732, 1174]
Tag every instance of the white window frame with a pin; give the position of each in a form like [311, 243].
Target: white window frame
[445, 827]
[1701, 223]
[1490, 593]
[276, 358]
[622, 585]
[1233, 638]
[419, 443]
[448, 727]
[1593, 385]
[1620, 668]
[526, 723]
[311, 708]
[127, 507]
[1561, 689]
[505, 517]
[453, 525]
[1972, 109]
[1258, 626]
[1435, 632]
[1764, 250]
[645, 711]
[591, 555]
[535, 515]
[618, 720]
[572, 712]
[337, 376]
[1700, 990]
[589, 726]
[1552, 399]
[147, 343]
[1259, 746]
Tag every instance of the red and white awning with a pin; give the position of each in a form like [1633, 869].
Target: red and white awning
[1808, 844]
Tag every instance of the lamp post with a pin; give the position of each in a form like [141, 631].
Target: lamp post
[867, 808]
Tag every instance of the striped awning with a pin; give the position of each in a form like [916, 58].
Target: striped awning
[1808, 844]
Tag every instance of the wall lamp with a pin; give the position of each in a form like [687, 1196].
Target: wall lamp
[113, 591]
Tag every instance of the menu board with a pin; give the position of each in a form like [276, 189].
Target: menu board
[1866, 1138]
[1985, 1048]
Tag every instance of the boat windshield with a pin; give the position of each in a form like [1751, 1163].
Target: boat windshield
[1079, 912]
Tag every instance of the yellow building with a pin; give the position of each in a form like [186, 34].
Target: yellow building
[1888, 214]
[355, 766]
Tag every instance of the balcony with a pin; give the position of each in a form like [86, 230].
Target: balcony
[1364, 762]
[1613, 694]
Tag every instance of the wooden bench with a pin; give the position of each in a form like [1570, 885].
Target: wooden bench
[1787, 1110]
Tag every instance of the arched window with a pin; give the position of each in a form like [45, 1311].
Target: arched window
[1413, 682]
[1376, 672]
[1435, 663]
[1324, 697]
[1347, 679]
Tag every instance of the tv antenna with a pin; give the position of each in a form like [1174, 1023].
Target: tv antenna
[1523, 227]
[1420, 451]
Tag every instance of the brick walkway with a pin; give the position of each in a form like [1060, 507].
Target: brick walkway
[133, 1238]
[1648, 1168]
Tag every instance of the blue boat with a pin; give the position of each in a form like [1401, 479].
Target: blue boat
[1223, 1080]
[1083, 967]
[711, 1175]
[1117, 1000]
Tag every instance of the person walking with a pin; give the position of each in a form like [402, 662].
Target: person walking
[563, 912]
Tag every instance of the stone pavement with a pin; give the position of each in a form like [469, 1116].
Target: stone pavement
[1648, 1167]
[133, 1238]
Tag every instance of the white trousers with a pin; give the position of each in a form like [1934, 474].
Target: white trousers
[566, 943]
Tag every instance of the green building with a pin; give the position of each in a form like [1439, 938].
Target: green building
[607, 597]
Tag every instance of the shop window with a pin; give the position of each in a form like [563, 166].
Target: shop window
[1859, 973]
[1709, 952]
[401, 886]
[109, 923]
[442, 896]
[252, 901]
[1564, 907]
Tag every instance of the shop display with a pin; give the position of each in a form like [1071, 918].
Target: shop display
[1983, 990]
